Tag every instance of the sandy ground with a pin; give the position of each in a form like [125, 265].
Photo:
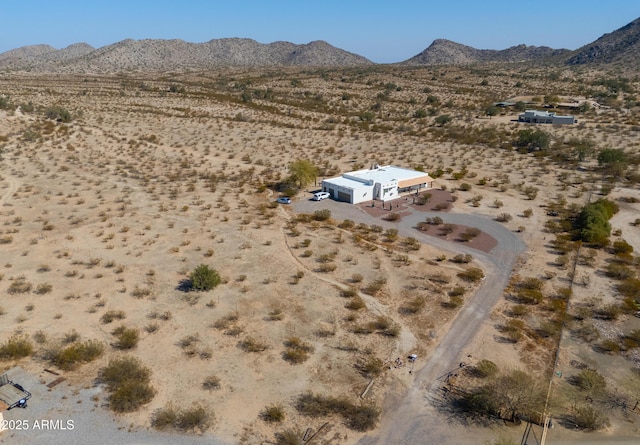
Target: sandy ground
[114, 209]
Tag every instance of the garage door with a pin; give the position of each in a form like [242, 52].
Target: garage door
[342, 196]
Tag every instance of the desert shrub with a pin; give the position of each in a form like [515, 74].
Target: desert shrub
[385, 326]
[322, 215]
[359, 418]
[43, 288]
[472, 274]
[194, 419]
[470, 234]
[444, 205]
[465, 186]
[375, 287]
[356, 303]
[327, 267]
[297, 350]
[414, 305]
[16, 346]
[504, 217]
[163, 418]
[622, 247]
[19, 286]
[391, 235]
[204, 278]
[527, 213]
[356, 278]
[618, 271]
[126, 338]
[590, 418]
[533, 140]
[454, 301]
[592, 222]
[371, 367]
[58, 113]
[349, 292]
[609, 346]
[435, 221]
[423, 199]
[210, 382]
[462, 258]
[457, 291]
[69, 357]
[128, 381]
[289, 437]
[251, 344]
[608, 312]
[630, 287]
[110, 316]
[519, 310]
[392, 216]
[272, 414]
[485, 368]
[591, 381]
[346, 224]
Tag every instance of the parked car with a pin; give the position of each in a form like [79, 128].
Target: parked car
[284, 200]
[320, 196]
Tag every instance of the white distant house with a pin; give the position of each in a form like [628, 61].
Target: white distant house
[545, 117]
[377, 183]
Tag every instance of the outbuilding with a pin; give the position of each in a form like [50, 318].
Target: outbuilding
[377, 183]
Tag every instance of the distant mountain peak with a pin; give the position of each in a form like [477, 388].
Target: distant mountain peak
[621, 46]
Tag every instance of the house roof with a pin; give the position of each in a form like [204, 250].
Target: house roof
[385, 175]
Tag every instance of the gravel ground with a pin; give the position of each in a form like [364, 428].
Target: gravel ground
[80, 420]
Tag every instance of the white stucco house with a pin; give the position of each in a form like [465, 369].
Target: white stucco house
[377, 183]
[545, 117]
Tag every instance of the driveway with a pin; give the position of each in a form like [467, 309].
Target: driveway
[410, 418]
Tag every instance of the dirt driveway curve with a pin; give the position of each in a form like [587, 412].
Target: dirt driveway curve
[410, 418]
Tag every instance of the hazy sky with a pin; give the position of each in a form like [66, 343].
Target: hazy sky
[383, 31]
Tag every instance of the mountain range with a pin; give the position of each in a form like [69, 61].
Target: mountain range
[620, 47]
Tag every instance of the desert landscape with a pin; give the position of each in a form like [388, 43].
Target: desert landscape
[153, 290]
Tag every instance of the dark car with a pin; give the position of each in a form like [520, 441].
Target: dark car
[284, 200]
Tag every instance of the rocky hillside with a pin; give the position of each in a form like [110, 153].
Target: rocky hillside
[619, 47]
[166, 55]
[446, 52]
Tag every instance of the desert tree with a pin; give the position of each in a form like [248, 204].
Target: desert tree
[302, 172]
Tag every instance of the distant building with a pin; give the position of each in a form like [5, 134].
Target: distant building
[504, 104]
[377, 183]
[545, 117]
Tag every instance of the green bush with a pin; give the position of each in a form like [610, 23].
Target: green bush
[128, 381]
[58, 113]
[204, 278]
[485, 368]
[127, 338]
[110, 316]
[250, 344]
[472, 274]
[69, 357]
[17, 346]
[297, 350]
[194, 419]
[591, 381]
[588, 417]
[322, 215]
